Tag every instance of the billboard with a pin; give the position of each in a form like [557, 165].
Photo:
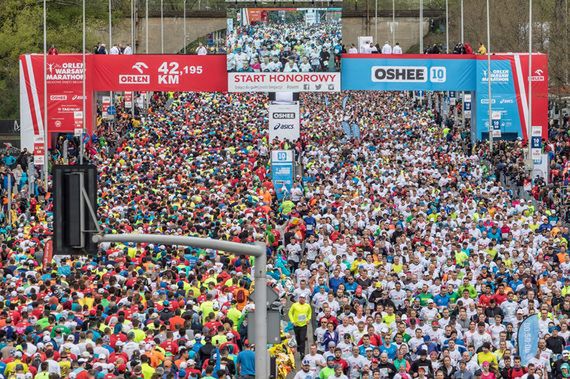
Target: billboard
[64, 74]
[284, 49]
[284, 121]
[408, 73]
[509, 91]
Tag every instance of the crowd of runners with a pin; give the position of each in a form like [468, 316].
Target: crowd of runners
[396, 254]
[285, 47]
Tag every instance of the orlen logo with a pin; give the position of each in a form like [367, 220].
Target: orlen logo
[58, 97]
[537, 76]
[284, 116]
[136, 78]
[58, 124]
[399, 74]
[283, 126]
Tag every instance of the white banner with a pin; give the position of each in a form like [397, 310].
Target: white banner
[283, 81]
[284, 121]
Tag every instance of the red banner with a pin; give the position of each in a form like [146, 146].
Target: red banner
[48, 253]
[539, 79]
[191, 73]
[64, 75]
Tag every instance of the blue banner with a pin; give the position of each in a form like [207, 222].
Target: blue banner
[503, 97]
[346, 129]
[355, 131]
[282, 172]
[527, 339]
[407, 74]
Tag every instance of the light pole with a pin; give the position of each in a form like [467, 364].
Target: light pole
[489, 76]
[462, 37]
[45, 168]
[82, 144]
[393, 23]
[162, 26]
[184, 26]
[421, 26]
[376, 21]
[529, 116]
[257, 250]
[146, 28]
[447, 26]
[110, 26]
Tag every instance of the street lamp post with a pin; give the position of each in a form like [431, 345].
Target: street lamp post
[45, 131]
[489, 76]
[462, 37]
[184, 26]
[421, 26]
[529, 116]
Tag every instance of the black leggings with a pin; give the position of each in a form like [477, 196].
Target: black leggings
[301, 336]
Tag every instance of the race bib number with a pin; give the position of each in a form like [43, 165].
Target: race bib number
[302, 318]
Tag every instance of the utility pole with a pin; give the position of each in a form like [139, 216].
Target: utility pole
[489, 79]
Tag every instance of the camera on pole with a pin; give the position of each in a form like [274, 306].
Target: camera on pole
[75, 209]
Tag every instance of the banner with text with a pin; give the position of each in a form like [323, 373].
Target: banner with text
[527, 339]
[408, 72]
[190, 73]
[284, 49]
[64, 75]
[284, 121]
[282, 172]
[509, 93]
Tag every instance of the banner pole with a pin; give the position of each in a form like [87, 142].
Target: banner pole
[447, 26]
[184, 26]
[393, 23]
[421, 26]
[376, 21]
[46, 155]
[490, 106]
[529, 118]
[462, 38]
[146, 28]
[83, 118]
[162, 26]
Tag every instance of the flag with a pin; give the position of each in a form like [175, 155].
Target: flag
[344, 102]
[527, 339]
[327, 101]
[355, 131]
[85, 138]
[346, 129]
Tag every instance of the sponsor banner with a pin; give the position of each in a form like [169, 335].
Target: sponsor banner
[105, 104]
[39, 152]
[128, 99]
[282, 172]
[48, 253]
[64, 74]
[407, 73]
[527, 339]
[190, 73]
[467, 106]
[509, 91]
[284, 121]
[536, 144]
[283, 81]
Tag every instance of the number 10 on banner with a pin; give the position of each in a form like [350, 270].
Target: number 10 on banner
[437, 74]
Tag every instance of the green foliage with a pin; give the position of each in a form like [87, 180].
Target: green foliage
[21, 32]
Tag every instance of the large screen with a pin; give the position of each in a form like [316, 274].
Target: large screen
[284, 49]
